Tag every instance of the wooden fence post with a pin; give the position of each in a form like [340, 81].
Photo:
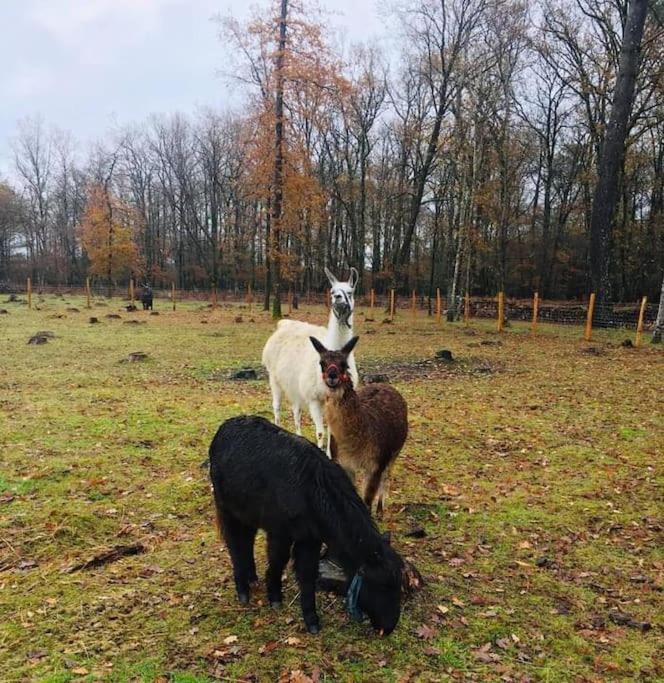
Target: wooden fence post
[466, 308]
[290, 302]
[414, 305]
[373, 301]
[639, 327]
[589, 320]
[173, 294]
[214, 295]
[439, 306]
[250, 298]
[131, 290]
[535, 309]
[30, 293]
[87, 290]
[501, 310]
[391, 305]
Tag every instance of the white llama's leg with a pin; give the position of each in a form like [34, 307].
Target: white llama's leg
[297, 418]
[316, 411]
[276, 400]
[329, 443]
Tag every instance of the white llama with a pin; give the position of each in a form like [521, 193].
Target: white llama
[294, 365]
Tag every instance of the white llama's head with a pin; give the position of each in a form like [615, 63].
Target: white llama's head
[342, 296]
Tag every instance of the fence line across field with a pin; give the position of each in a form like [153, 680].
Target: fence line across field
[638, 316]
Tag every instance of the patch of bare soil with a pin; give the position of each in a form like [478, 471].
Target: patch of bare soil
[432, 368]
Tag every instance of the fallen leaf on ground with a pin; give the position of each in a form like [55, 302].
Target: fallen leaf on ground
[425, 632]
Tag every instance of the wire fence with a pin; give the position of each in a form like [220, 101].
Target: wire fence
[628, 315]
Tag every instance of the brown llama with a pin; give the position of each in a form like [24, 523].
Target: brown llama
[368, 427]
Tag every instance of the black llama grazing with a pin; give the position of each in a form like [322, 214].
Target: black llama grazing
[146, 297]
[266, 478]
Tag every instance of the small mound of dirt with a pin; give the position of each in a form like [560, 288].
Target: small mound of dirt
[93, 320]
[72, 310]
[135, 357]
[627, 344]
[131, 308]
[244, 374]
[4, 311]
[238, 319]
[135, 322]
[445, 355]
[592, 351]
[113, 316]
[38, 339]
[375, 379]
[154, 312]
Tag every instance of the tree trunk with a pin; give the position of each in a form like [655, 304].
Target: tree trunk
[278, 186]
[659, 323]
[611, 161]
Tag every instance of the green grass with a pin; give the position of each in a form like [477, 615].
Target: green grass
[533, 467]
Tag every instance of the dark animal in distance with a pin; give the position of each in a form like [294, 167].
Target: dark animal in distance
[146, 298]
[263, 477]
[368, 426]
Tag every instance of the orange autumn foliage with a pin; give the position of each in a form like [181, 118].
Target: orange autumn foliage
[107, 234]
[312, 84]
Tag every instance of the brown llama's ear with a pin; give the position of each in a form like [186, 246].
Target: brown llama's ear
[317, 345]
[349, 346]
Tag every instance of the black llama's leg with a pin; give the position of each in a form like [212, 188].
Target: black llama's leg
[278, 552]
[240, 541]
[306, 555]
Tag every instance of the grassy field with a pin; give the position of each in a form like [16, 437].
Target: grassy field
[534, 466]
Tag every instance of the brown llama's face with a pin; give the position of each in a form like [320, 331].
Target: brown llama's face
[334, 364]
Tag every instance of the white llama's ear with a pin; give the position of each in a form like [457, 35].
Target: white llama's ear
[354, 277]
[333, 280]
[349, 346]
[317, 345]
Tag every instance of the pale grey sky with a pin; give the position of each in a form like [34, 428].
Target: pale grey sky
[87, 65]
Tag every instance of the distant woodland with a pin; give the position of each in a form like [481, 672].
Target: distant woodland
[464, 154]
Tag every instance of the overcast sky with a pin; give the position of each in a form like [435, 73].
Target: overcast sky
[88, 65]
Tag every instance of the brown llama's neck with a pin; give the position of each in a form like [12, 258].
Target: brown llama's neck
[344, 413]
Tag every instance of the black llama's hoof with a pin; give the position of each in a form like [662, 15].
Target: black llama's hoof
[276, 604]
[243, 598]
[314, 629]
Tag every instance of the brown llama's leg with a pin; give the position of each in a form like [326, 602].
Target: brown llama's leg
[372, 484]
[383, 490]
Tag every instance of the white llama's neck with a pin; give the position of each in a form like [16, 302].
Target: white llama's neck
[338, 333]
